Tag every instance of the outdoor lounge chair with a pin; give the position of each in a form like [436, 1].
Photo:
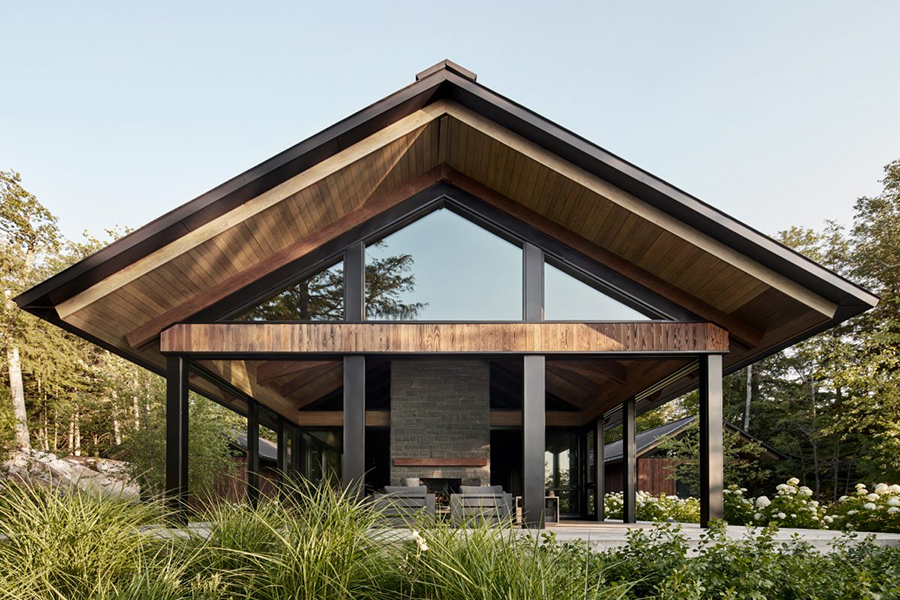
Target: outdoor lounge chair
[402, 505]
[481, 503]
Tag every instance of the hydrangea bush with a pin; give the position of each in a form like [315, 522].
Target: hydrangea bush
[876, 510]
[792, 505]
[656, 508]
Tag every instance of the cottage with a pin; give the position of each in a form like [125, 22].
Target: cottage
[447, 288]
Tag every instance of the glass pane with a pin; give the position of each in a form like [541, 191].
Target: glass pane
[443, 267]
[561, 468]
[569, 299]
[316, 298]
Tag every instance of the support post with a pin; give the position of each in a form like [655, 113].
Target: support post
[354, 459]
[297, 453]
[533, 436]
[177, 435]
[533, 258]
[282, 441]
[253, 452]
[712, 476]
[355, 283]
[600, 470]
[629, 463]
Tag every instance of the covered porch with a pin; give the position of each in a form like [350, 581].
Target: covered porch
[518, 405]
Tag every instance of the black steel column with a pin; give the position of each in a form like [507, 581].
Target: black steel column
[600, 470]
[629, 463]
[354, 460]
[177, 435]
[282, 440]
[712, 478]
[253, 452]
[533, 436]
[296, 453]
[355, 283]
[533, 258]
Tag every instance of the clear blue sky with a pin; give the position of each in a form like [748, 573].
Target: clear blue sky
[779, 113]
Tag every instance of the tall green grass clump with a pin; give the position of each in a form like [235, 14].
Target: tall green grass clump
[70, 543]
[483, 561]
[314, 542]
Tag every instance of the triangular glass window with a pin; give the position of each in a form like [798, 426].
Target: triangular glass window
[319, 297]
[567, 298]
[443, 267]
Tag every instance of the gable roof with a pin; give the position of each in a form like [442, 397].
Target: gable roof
[647, 441]
[445, 132]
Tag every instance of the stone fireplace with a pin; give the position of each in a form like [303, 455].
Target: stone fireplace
[440, 421]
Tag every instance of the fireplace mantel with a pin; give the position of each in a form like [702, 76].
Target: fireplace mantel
[440, 462]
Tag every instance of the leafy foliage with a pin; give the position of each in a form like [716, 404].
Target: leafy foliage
[209, 453]
[320, 542]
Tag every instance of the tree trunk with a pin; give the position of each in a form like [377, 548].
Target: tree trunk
[137, 411]
[117, 429]
[77, 447]
[748, 398]
[17, 391]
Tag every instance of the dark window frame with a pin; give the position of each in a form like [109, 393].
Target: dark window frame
[445, 195]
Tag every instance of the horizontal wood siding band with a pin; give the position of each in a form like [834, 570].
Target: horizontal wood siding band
[441, 338]
[440, 462]
[335, 418]
[382, 418]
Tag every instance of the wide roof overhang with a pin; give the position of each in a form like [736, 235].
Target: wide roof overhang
[447, 128]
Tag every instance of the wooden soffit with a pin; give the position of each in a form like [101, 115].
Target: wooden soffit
[442, 338]
[442, 141]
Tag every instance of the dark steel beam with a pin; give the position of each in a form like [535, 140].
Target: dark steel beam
[355, 283]
[712, 478]
[629, 463]
[253, 452]
[533, 436]
[600, 470]
[354, 459]
[177, 393]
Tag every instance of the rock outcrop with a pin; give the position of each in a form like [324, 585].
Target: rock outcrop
[102, 475]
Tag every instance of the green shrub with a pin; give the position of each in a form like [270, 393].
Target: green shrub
[661, 508]
[878, 510]
[320, 542]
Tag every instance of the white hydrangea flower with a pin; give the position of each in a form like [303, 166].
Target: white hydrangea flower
[860, 486]
[758, 516]
[781, 516]
[852, 512]
[873, 497]
[894, 489]
[805, 491]
[843, 498]
[814, 503]
[762, 502]
[869, 506]
[893, 502]
[881, 488]
[420, 541]
[828, 519]
[893, 509]
[793, 481]
[744, 490]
